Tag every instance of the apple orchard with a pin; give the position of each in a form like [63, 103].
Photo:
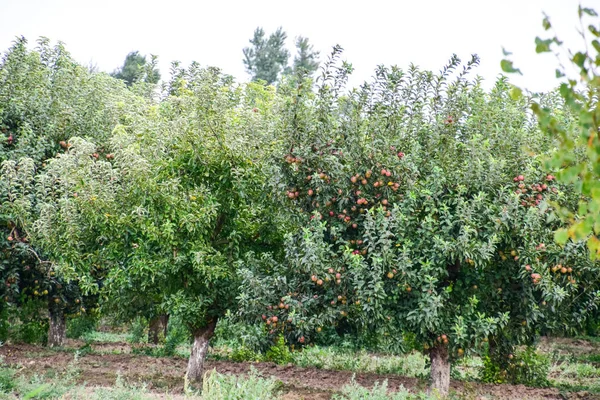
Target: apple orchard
[418, 210]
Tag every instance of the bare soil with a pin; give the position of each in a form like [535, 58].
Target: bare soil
[166, 374]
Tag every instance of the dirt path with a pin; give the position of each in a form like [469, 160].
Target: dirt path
[166, 374]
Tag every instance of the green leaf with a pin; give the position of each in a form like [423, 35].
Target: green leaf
[546, 23]
[542, 45]
[516, 93]
[579, 59]
[559, 73]
[561, 236]
[589, 11]
[507, 66]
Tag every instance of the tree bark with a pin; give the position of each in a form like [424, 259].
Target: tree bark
[57, 329]
[195, 368]
[440, 369]
[158, 324]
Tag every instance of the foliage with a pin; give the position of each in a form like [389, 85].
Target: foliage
[574, 121]
[45, 97]
[306, 60]
[36, 386]
[411, 365]
[24, 324]
[252, 387]
[137, 331]
[266, 58]
[79, 327]
[354, 391]
[137, 69]
[527, 367]
[279, 352]
[7, 379]
[420, 215]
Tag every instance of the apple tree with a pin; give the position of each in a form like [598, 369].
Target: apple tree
[167, 219]
[423, 213]
[45, 98]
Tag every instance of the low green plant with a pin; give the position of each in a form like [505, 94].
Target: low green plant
[104, 337]
[251, 387]
[137, 331]
[80, 326]
[354, 391]
[527, 367]
[412, 364]
[279, 353]
[244, 354]
[176, 335]
[7, 379]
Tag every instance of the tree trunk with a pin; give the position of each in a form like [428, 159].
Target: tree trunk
[195, 369]
[57, 330]
[157, 324]
[440, 369]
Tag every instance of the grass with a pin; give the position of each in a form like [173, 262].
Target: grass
[575, 367]
[410, 365]
[105, 337]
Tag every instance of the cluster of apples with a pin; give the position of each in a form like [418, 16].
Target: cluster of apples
[563, 270]
[531, 195]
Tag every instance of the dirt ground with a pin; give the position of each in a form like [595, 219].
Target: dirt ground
[166, 374]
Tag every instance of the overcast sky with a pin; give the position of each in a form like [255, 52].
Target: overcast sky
[423, 32]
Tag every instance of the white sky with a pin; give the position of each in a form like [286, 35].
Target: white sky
[424, 32]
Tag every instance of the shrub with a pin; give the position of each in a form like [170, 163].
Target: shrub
[81, 325]
[279, 353]
[527, 367]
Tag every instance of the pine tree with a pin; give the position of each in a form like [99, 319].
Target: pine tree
[266, 58]
[137, 69]
[307, 59]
